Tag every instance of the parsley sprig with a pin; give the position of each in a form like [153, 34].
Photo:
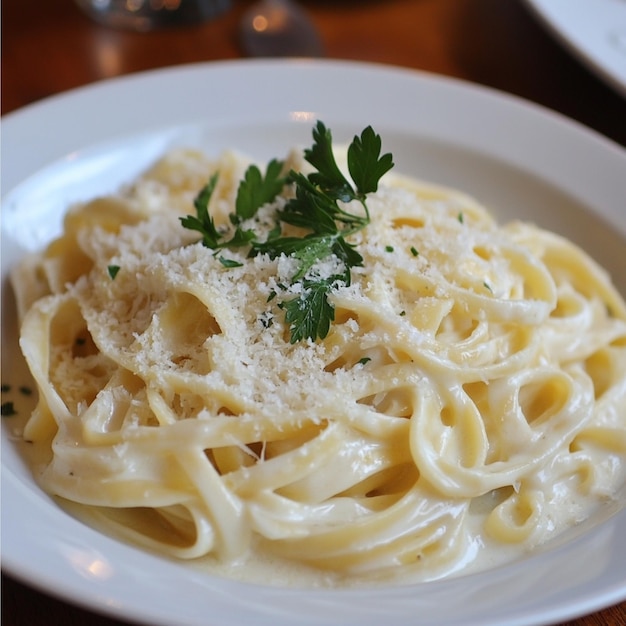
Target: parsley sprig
[322, 207]
[204, 223]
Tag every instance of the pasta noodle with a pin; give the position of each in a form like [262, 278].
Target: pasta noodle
[468, 399]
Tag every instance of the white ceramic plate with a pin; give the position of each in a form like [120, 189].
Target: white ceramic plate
[521, 160]
[594, 30]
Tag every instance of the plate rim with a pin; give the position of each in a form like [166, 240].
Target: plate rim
[598, 142]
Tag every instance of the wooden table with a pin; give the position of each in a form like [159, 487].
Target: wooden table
[49, 47]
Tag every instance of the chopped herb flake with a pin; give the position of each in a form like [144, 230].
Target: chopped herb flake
[229, 262]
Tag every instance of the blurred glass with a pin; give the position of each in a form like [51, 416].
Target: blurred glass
[145, 15]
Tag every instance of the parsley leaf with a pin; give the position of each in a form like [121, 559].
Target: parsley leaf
[309, 315]
[328, 176]
[365, 164]
[317, 248]
[240, 239]
[256, 190]
[348, 254]
[203, 222]
[312, 208]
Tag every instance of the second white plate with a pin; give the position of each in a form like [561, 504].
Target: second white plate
[594, 30]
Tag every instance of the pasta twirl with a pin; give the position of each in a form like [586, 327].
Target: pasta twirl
[468, 399]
